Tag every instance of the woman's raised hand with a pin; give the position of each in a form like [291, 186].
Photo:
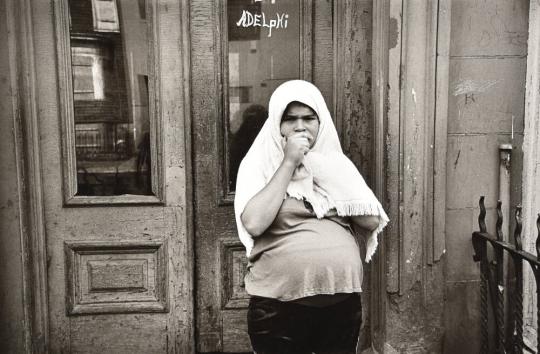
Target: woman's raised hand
[296, 146]
[262, 208]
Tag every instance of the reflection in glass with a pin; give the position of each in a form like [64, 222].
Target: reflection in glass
[109, 64]
[259, 61]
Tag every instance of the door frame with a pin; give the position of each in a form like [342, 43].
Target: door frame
[411, 42]
[385, 65]
[33, 239]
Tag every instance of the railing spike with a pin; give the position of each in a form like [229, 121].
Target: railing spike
[517, 230]
[482, 216]
[538, 242]
[499, 221]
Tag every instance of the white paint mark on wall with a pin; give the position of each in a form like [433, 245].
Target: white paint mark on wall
[473, 86]
[512, 127]
[414, 95]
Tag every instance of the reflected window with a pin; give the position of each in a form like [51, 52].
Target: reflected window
[264, 52]
[109, 65]
[105, 16]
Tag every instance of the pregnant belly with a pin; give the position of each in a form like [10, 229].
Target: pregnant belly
[311, 248]
[304, 266]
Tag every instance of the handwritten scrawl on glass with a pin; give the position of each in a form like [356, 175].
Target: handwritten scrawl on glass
[249, 19]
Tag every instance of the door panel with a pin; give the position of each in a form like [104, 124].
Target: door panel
[234, 71]
[119, 276]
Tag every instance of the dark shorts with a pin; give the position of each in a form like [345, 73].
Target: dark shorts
[277, 327]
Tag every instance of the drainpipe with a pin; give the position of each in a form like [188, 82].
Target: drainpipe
[505, 154]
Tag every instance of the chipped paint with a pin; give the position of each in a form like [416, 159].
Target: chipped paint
[468, 86]
[393, 32]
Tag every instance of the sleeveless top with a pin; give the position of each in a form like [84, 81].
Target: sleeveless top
[300, 255]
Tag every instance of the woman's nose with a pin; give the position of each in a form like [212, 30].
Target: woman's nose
[299, 126]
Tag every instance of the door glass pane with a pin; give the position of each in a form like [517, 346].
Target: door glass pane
[264, 51]
[109, 65]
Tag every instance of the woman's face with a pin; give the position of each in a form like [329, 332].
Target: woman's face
[299, 118]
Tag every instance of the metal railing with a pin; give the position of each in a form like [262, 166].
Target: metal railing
[103, 142]
[492, 284]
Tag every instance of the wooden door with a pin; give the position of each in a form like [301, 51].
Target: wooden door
[110, 101]
[236, 65]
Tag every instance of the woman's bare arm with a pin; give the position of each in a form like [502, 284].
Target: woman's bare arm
[366, 222]
[261, 210]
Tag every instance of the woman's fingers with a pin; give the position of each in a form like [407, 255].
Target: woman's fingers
[296, 146]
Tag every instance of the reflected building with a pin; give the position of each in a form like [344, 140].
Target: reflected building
[109, 51]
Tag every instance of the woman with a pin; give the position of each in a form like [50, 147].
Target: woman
[297, 199]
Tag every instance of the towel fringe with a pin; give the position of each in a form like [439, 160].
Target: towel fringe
[352, 208]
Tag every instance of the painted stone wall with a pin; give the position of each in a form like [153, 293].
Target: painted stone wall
[488, 56]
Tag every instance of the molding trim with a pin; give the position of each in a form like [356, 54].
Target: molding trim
[392, 148]
[441, 129]
[233, 293]
[531, 141]
[149, 293]
[306, 40]
[339, 30]
[381, 17]
[531, 162]
[187, 330]
[27, 149]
